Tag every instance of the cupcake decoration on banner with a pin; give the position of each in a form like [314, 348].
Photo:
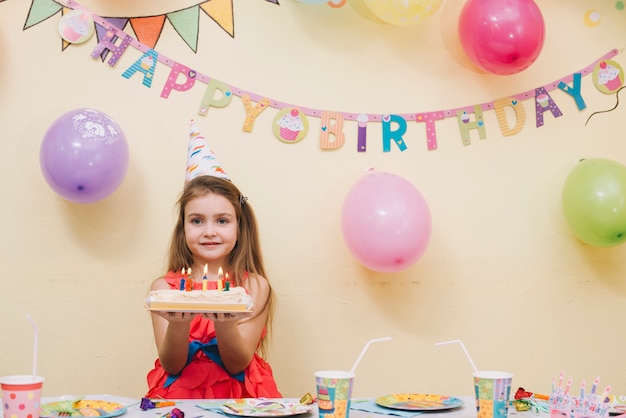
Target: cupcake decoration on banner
[201, 159]
[290, 125]
[608, 76]
[76, 26]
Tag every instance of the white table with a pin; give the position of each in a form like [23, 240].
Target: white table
[188, 406]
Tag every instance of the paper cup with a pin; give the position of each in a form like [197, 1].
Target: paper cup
[334, 389]
[21, 395]
[492, 393]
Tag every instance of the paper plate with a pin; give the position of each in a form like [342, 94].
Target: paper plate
[251, 407]
[82, 408]
[418, 402]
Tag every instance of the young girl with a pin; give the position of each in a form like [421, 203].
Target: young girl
[214, 356]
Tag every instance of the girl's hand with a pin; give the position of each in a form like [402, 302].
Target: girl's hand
[176, 317]
[226, 316]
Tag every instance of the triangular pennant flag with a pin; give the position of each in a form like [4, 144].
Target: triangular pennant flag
[201, 159]
[148, 29]
[41, 10]
[186, 22]
[221, 11]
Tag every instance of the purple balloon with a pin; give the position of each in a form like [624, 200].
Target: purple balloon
[84, 156]
[501, 36]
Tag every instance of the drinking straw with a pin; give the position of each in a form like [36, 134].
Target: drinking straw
[36, 329]
[374, 340]
[464, 349]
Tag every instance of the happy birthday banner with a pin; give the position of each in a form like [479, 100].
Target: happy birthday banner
[290, 125]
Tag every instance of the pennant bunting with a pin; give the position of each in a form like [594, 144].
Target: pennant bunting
[41, 10]
[148, 28]
[186, 23]
[221, 11]
[290, 123]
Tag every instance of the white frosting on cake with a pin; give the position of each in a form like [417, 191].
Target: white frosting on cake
[234, 299]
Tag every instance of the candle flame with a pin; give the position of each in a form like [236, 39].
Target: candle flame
[205, 269]
[220, 273]
[182, 271]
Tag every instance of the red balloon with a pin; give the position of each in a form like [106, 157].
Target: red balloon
[501, 36]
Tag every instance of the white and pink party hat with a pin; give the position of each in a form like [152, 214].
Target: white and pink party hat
[201, 159]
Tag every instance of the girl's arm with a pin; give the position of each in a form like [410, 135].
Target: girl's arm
[171, 335]
[238, 339]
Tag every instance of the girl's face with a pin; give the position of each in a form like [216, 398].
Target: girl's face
[210, 228]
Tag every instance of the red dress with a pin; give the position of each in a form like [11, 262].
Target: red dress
[204, 377]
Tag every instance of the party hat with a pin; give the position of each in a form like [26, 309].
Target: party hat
[201, 159]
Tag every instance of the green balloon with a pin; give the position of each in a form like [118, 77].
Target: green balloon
[594, 202]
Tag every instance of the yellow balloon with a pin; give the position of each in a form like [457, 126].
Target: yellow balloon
[403, 12]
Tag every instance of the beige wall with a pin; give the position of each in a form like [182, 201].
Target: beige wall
[503, 271]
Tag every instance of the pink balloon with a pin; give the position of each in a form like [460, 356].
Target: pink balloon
[501, 36]
[385, 222]
[84, 155]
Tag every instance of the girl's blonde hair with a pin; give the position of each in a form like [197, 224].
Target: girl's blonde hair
[245, 258]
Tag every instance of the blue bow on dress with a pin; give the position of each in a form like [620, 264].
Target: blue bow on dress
[210, 350]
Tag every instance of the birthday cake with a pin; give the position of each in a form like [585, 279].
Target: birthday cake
[235, 299]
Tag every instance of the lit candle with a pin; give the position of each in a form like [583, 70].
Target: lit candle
[226, 282]
[189, 284]
[204, 279]
[182, 279]
[220, 278]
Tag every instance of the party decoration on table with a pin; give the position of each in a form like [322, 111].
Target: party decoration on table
[501, 37]
[403, 13]
[307, 399]
[563, 403]
[525, 401]
[594, 201]
[147, 403]
[82, 408]
[419, 401]
[201, 160]
[250, 407]
[148, 29]
[385, 222]
[174, 413]
[84, 155]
